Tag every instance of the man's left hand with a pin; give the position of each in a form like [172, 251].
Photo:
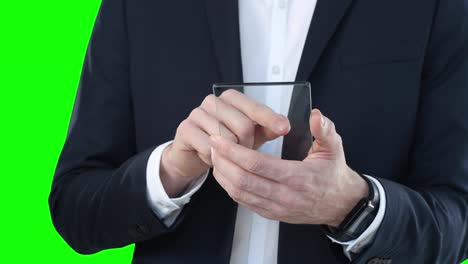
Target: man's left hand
[321, 189]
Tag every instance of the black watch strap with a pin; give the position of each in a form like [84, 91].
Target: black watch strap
[360, 217]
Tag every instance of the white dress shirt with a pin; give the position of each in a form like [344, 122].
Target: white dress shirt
[272, 37]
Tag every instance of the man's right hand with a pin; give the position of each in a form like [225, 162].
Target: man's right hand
[235, 116]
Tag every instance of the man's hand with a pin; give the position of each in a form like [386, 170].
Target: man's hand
[321, 189]
[241, 120]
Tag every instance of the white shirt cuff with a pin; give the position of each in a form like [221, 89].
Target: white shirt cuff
[164, 207]
[358, 244]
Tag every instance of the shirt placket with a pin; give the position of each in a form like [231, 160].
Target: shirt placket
[276, 61]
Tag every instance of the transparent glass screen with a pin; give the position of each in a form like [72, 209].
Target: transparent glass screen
[255, 102]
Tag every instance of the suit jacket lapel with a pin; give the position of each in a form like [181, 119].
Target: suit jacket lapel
[327, 17]
[223, 19]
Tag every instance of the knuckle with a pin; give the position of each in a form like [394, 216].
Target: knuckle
[228, 93]
[236, 194]
[245, 130]
[209, 100]
[243, 182]
[225, 94]
[281, 213]
[267, 191]
[268, 214]
[275, 214]
[255, 164]
[287, 201]
[184, 126]
[246, 199]
[289, 170]
[225, 149]
[294, 204]
[272, 213]
[195, 113]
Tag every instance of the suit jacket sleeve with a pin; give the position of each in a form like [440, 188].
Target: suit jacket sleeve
[98, 198]
[426, 219]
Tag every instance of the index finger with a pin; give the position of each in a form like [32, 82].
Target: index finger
[257, 112]
[253, 161]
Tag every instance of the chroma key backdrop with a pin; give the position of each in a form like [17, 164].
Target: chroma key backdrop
[42, 49]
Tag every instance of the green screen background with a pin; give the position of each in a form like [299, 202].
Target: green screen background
[42, 47]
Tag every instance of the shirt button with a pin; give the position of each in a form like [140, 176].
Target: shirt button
[276, 70]
[282, 4]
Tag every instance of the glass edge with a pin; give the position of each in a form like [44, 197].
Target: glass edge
[224, 85]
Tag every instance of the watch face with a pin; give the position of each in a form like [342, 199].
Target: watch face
[359, 219]
[354, 215]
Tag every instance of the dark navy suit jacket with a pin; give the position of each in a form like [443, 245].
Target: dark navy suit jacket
[392, 75]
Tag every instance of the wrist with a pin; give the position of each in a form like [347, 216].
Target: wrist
[172, 179]
[361, 216]
[356, 189]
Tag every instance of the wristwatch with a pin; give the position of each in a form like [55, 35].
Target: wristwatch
[359, 219]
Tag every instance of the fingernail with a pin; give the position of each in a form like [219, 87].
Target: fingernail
[212, 152]
[322, 120]
[283, 126]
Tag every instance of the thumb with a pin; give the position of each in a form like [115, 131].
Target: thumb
[326, 138]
